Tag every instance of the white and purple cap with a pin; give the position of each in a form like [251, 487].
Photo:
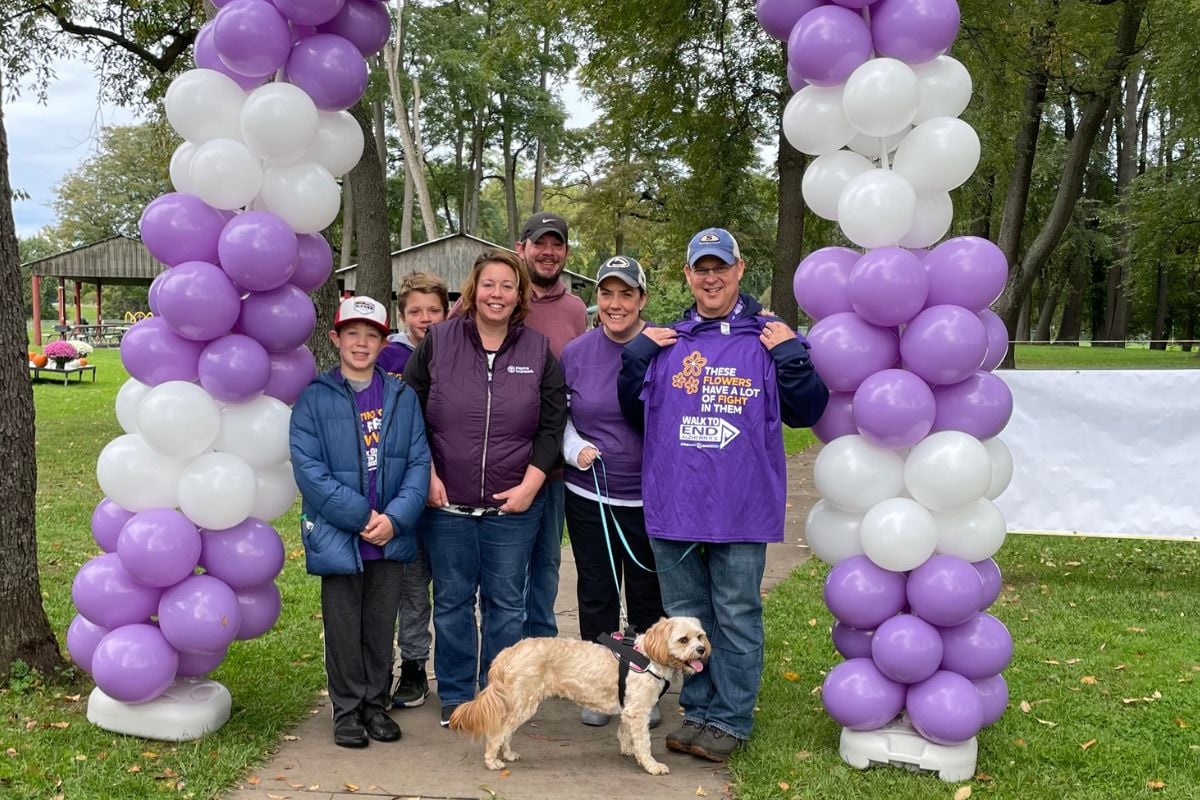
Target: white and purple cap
[713, 242]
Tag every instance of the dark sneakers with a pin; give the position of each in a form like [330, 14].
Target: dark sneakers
[349, 732]
[681, 740]
[446, 712]
[379, 726]
[714, 744]
[413, 687]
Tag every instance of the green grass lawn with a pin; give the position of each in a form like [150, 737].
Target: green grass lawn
[1046, 356]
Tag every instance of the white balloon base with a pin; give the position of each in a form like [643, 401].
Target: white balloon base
[898, 744]
[188, 709]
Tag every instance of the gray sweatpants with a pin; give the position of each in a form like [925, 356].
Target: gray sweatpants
[413, 636]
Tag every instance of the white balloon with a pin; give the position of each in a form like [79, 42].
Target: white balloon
[973, 532]
[853, 473]
[256, 432]
[814, 121]
[934, 213]
[279, 122]
[945, 88]
[303, 194]
[179, 419]
[831, 533]
[338, 144]
[826, 177]
[877, 208]
[135, 476]
[899, 534]
[180, 168]
[217, 491]
[203, 104]
[881, 96]
[868, 146]
[276, 491]
[938, 155]
[129, 398]
[947, 470]
[225, 174]
[1002, 467]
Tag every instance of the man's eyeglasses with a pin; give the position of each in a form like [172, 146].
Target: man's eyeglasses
[704, 273]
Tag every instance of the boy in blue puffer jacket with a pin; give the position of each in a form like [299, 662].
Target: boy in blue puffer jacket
[361, 461]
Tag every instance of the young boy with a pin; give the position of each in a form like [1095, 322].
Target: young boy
[362, 464]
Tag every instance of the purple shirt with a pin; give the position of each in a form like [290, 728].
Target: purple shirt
[394, 357]
[590, 366]
[370, 420]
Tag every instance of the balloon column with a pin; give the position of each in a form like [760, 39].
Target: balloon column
[189, 555]
[905, 341]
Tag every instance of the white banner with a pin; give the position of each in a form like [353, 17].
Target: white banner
[1104, 452]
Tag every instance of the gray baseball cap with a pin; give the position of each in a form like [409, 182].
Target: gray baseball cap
[625, 268]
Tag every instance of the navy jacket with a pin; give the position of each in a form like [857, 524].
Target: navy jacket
[329, 461]
[802, 394]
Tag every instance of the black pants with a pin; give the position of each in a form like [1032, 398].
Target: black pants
[599, 603]
[359, 615]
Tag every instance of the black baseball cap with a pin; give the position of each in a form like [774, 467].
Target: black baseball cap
[542, 223]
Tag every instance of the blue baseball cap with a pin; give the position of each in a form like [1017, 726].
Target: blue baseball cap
[713, 242]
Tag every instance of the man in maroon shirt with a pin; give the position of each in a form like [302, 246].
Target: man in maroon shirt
[560, 316]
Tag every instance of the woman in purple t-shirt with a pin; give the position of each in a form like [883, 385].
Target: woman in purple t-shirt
[599, 446]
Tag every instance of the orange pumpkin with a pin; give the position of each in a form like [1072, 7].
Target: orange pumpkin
[39, 360]
[83, 362]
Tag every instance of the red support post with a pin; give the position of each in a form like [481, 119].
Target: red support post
[99, 318]
[37, 310]
[78, 308]
[62, 301]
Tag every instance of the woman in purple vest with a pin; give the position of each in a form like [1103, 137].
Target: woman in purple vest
[601, 448]
[495, 408]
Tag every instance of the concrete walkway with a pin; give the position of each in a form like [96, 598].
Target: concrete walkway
[560, 758]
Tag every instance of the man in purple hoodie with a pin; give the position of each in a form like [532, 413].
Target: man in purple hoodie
[559, 316]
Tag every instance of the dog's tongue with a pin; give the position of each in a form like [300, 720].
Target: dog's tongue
[696, 665]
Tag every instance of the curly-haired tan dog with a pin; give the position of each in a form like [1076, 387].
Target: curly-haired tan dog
[585, 673]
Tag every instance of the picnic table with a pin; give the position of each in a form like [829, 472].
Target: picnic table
[66, 372]
[107, 333]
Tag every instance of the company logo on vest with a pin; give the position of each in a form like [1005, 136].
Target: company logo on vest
[706, 432]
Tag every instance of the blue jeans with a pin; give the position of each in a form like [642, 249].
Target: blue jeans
[469, 555]
[719, 584]
[542, 587]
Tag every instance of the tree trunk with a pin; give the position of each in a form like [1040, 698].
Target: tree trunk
[1095, 109]
[1046, 313]
[539, 161]
[1189, 325]
[413, 161]
[1021, 333]
[406, 212]
[25, 634]
[475, 179]
[789, 235]
[1072, 316]
[1159, 333]
[373, 276]
[981, 220]
[510, 173]
[1117, 311]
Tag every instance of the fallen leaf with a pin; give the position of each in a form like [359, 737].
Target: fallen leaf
[1180, 722]
[296, 785]
[254, 780]
[1087, 744]
[278, 796]
[963, 793]
[166, 773]
[1026, 707]
[504, 773]
[1020, 743]
[812, 623]
[150, 754]
[700, 792]
[291, 738]
[1155, 785]
[1047, 722]
[314, 787]
[61, 725]
[1072, 661]
[982, 776]
[74, 698]
[1118, 667]
[11, 752]
[1053, 661]
[350, 787]
[1136, 630]
[791, 676]
[803, 755]
[134, 768]
[279, 778]
[81, 757]
[31, 724]
[1090, 680]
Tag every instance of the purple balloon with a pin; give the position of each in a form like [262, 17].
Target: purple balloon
[993, 692]
[251, 37]
[860, 697]
[154, 354]
[778, 17]
[945, 590]
[177, 227]
[199, 615]
[206, 57]
[854, 4]
[794, 80]
[152, 292]
[838, 419]
[107, 521]
[906, 649]
[281, 319]
[363, 23]
[943, 344]
[260, 608]
[852, 642]
[997, 336]
[966, 271]
[309, 12]
[159, 547]
[888, 286]
[197, 665]
[314, 261]
[108, 596]
[234, 368]
[945, 708]
[981, 405]
[822, 279]
[198, 301]
[248, 554]
[914, 31]
[989, 573]
[827, 44]
[134, 664]
[861, 594]
[894, 408]
[82, 638]
[845, 349]
[290, 373]
[979, 648]
[330, 69]
[258, 251]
